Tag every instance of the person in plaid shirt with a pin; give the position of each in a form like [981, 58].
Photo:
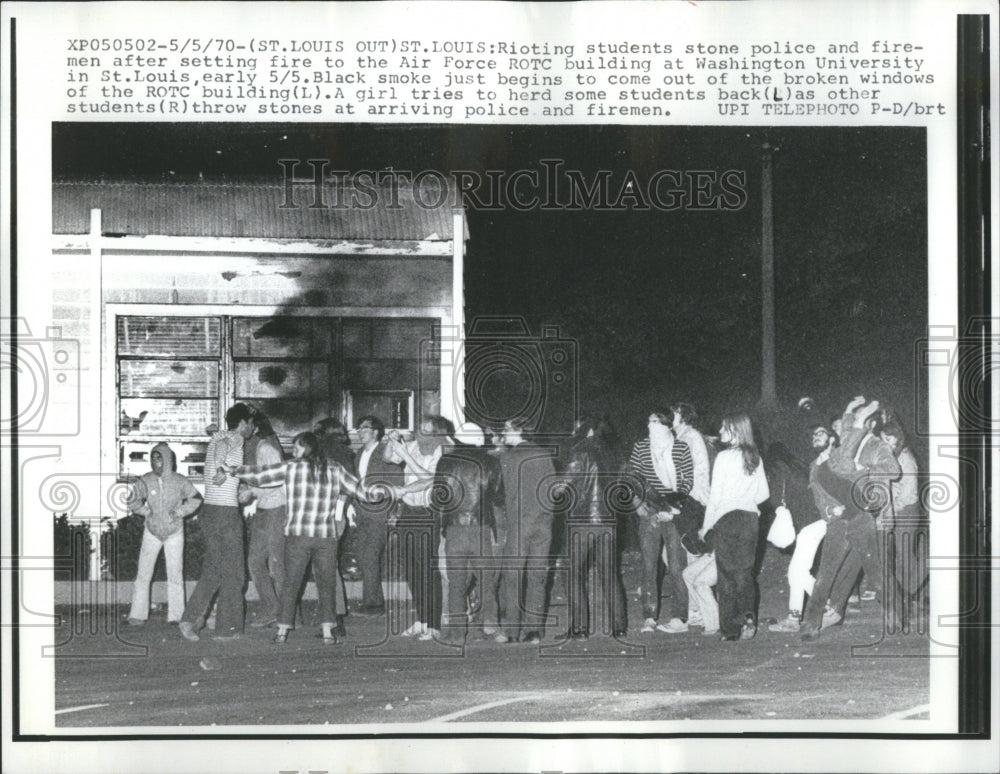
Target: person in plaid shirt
[312, 486]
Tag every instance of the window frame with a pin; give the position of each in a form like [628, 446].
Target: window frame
[436, 317]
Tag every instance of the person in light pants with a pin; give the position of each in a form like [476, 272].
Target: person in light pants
[811, 535]
[164, 498]
[800, 577]
[173, 554]
[700, 576]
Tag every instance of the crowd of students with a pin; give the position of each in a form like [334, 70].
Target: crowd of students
[479, 513]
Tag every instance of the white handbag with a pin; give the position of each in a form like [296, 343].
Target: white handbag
[782, 532]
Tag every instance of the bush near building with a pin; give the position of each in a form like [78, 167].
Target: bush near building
[71, 549]
[120, 546]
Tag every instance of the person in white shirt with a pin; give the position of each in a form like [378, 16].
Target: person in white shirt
[419, 458]
[730, 528]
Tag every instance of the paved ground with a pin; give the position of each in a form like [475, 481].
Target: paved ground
[853, 671]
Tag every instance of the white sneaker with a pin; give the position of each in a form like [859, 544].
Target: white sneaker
[429, 634]
[417, 629]
[188, 631]
[696, 619]
[673, 626]
[649, 625]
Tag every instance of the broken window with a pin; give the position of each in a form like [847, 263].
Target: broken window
[177, 375]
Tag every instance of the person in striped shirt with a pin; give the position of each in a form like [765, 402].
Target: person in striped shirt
[223, 566]
[664, 471]
[312, 487]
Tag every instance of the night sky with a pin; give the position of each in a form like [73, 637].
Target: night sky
[662, 305]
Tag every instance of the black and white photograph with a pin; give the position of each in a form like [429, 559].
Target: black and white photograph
[450, 386]
[571, 425]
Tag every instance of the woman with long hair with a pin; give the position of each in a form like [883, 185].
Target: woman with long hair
[312, 486]
[738, 487]
[266, 554]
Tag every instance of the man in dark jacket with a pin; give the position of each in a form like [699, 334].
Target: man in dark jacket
[465, 499]
[370, 468]
[528, 475]
[336, 446]
[857, 475]
[591, 537]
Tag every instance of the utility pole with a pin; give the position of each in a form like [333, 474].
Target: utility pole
[768, 387]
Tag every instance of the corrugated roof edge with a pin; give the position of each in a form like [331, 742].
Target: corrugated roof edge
[390, 210]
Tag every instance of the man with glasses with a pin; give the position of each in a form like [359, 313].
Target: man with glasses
[371, 468]
[857, 476]
[809, 533]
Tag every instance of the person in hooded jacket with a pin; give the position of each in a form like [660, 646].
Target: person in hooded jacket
[164, 498]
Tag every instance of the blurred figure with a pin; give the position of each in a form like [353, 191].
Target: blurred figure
[594, 571]
[527, 471]
[693, 502]
[902, 528]
[466, 499]
[335, 446]
[335, 442]
[492, 590]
